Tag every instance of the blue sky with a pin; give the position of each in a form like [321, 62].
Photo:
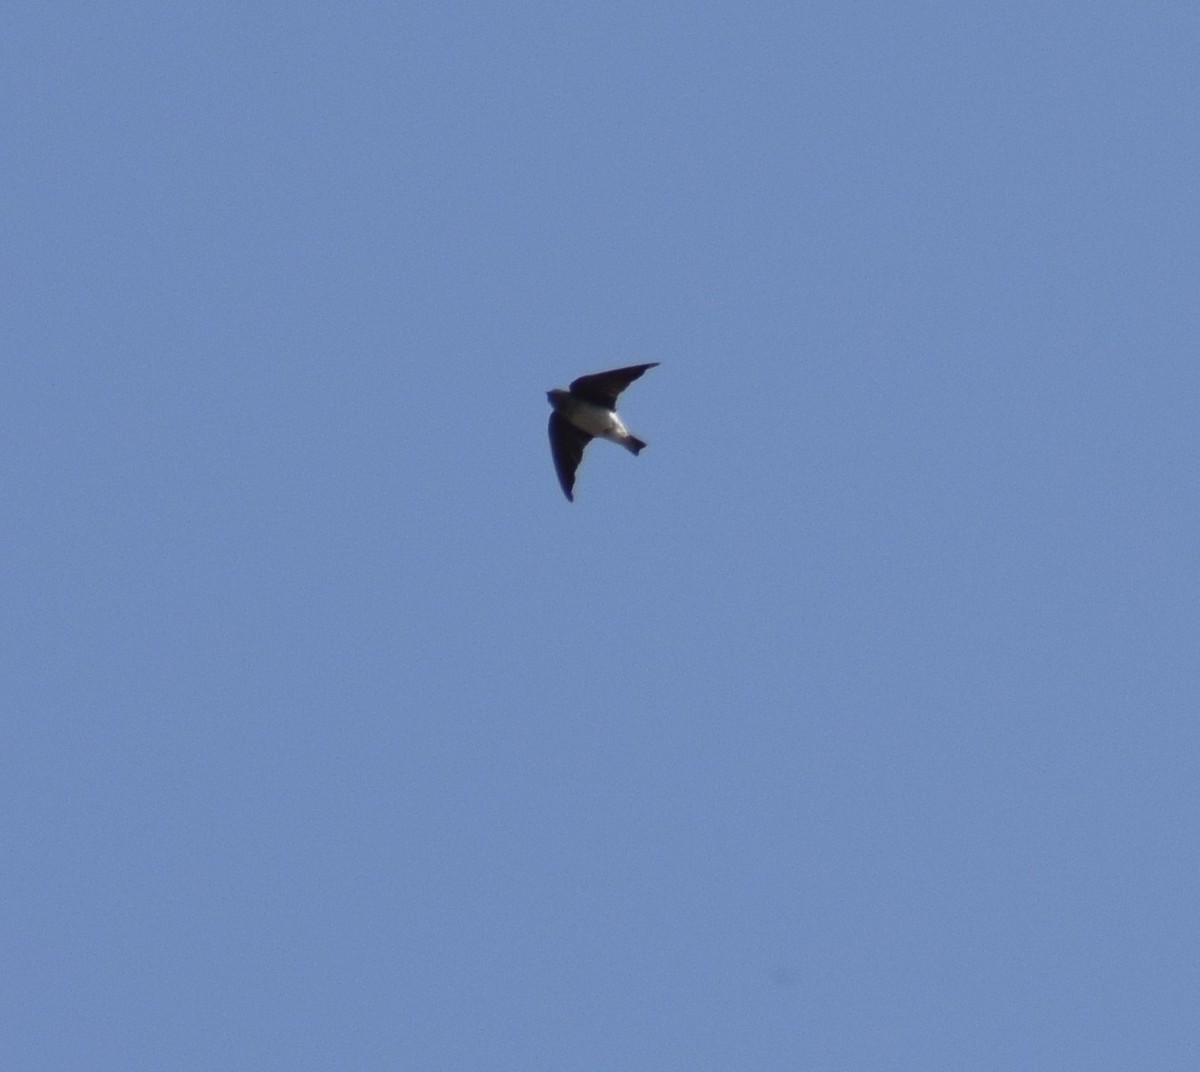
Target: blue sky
[852, 726]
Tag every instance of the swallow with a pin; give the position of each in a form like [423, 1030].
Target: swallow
[586, 411]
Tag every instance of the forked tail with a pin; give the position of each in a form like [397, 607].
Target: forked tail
[634, 445]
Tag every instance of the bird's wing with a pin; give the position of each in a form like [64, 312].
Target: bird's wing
[566, 444]
[603, 387]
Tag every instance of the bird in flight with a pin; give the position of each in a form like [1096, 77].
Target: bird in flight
[586, 411]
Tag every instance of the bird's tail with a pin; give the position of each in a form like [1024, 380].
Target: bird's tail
[634, 445]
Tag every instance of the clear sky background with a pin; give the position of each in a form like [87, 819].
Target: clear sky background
[852, 726]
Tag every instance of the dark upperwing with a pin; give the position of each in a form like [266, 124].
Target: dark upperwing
[602, 388]
[566, 445]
